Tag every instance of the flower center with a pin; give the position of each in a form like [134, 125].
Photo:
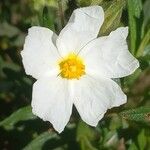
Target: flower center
[72, 67]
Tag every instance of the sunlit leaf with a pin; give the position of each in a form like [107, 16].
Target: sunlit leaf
[38, 4]
[22, 114]
[112, 17]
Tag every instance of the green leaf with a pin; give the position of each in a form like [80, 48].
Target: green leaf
[38, 4]
[115, 122]
[85, 135]
[48, 13]
[8, 30]
[133, 147]
[146, 7]
[9, 65]
[96, 2]
[22, 114]
[38, 142]
[19, 40]
[134, 13]
[112, 17]
[130, 80]
[145, 58]
[144, 43]
[84, 3]
[144, 62]
[132, 26]
[137, 114]
[137, 6]
[142, 140]
[48, 18]
[112, 139]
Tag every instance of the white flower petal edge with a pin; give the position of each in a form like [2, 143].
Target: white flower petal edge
[109, 56]
[94, 95]
[83, 26]
[51, 101]
[104, 58]
[39, 53]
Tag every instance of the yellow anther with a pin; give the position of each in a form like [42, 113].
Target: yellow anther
[72, 67]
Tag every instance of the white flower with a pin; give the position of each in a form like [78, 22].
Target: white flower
[76, 68]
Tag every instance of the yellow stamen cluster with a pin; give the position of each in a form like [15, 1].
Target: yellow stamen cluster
[72, 67]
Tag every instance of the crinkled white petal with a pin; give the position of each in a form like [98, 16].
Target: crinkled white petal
[109, 56]
[94, 95]
[39, 53]
[51, 101]
[83, 26]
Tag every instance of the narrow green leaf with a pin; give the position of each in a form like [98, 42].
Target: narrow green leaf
[146, 7]
[48, 18]
[112, 17]
[142, 140]
[134, 15]
[133, 147]
[138, 114]
[137, 6]
[143, 44]
[22, 114]
[39, 142]
[132, 26]
[85, 135]
[145, 58]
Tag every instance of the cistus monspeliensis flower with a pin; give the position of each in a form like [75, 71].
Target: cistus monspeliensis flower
[76, 68]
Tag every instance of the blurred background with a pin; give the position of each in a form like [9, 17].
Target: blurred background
[123, 128]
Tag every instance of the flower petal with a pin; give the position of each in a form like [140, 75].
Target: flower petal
[39, 53]
[109, 56]
[51, 101]
[93, 96]
[83, 26]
